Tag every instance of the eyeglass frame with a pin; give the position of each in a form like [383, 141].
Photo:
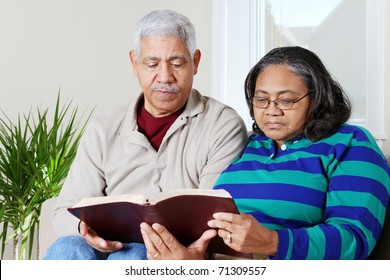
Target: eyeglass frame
[278, 100]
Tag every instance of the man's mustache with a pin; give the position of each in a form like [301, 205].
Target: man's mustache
[165, 87]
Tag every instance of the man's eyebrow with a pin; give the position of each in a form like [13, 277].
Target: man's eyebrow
[172, 58]
[150, 58]
[177, 57]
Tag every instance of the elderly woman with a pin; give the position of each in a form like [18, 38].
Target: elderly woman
[308, 185]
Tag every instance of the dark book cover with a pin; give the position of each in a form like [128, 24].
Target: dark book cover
[185, 216]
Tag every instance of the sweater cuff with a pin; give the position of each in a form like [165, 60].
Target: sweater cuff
[284, 250]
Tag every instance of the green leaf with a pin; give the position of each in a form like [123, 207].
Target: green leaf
[36, 153]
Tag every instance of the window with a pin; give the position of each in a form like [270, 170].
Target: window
[348, 35]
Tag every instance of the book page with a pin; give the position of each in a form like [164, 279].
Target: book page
[141, 199]
[135, 198]
[173, 193]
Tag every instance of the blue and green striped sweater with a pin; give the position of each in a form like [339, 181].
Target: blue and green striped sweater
[327, 199]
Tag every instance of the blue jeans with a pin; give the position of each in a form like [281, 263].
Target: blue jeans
[76, 248]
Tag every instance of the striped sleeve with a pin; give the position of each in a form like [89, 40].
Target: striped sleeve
[355, 206]
[327, 200]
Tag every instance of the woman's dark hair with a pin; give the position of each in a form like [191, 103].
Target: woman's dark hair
[330, 107]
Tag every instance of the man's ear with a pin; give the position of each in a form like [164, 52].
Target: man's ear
[133, 62]
[197, 56]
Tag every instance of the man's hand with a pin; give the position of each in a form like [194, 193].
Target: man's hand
[96, 241]
[162, 245]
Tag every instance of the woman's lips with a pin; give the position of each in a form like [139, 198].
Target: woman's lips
[273, 125]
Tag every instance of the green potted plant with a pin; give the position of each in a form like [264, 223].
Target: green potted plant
[35, 157]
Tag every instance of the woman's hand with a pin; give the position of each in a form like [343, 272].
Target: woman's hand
[243, 233]
[96, 241]
[162, 245]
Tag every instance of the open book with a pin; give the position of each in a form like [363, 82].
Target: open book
[184, 213]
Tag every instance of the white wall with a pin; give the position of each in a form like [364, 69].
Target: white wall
[81, 47]
[386, 144]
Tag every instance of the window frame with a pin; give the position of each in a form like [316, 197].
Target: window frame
[234, 53]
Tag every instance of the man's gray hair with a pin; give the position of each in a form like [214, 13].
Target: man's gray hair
[165, 23]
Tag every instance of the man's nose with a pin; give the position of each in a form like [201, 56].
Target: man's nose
[165, 73]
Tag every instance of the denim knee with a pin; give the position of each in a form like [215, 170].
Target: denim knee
[75, 247]
[72, 247]
[130, 251]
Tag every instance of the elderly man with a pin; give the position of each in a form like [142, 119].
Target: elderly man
[169, 137]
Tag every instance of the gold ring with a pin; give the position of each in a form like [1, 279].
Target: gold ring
[229, 238]
[156, 255]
